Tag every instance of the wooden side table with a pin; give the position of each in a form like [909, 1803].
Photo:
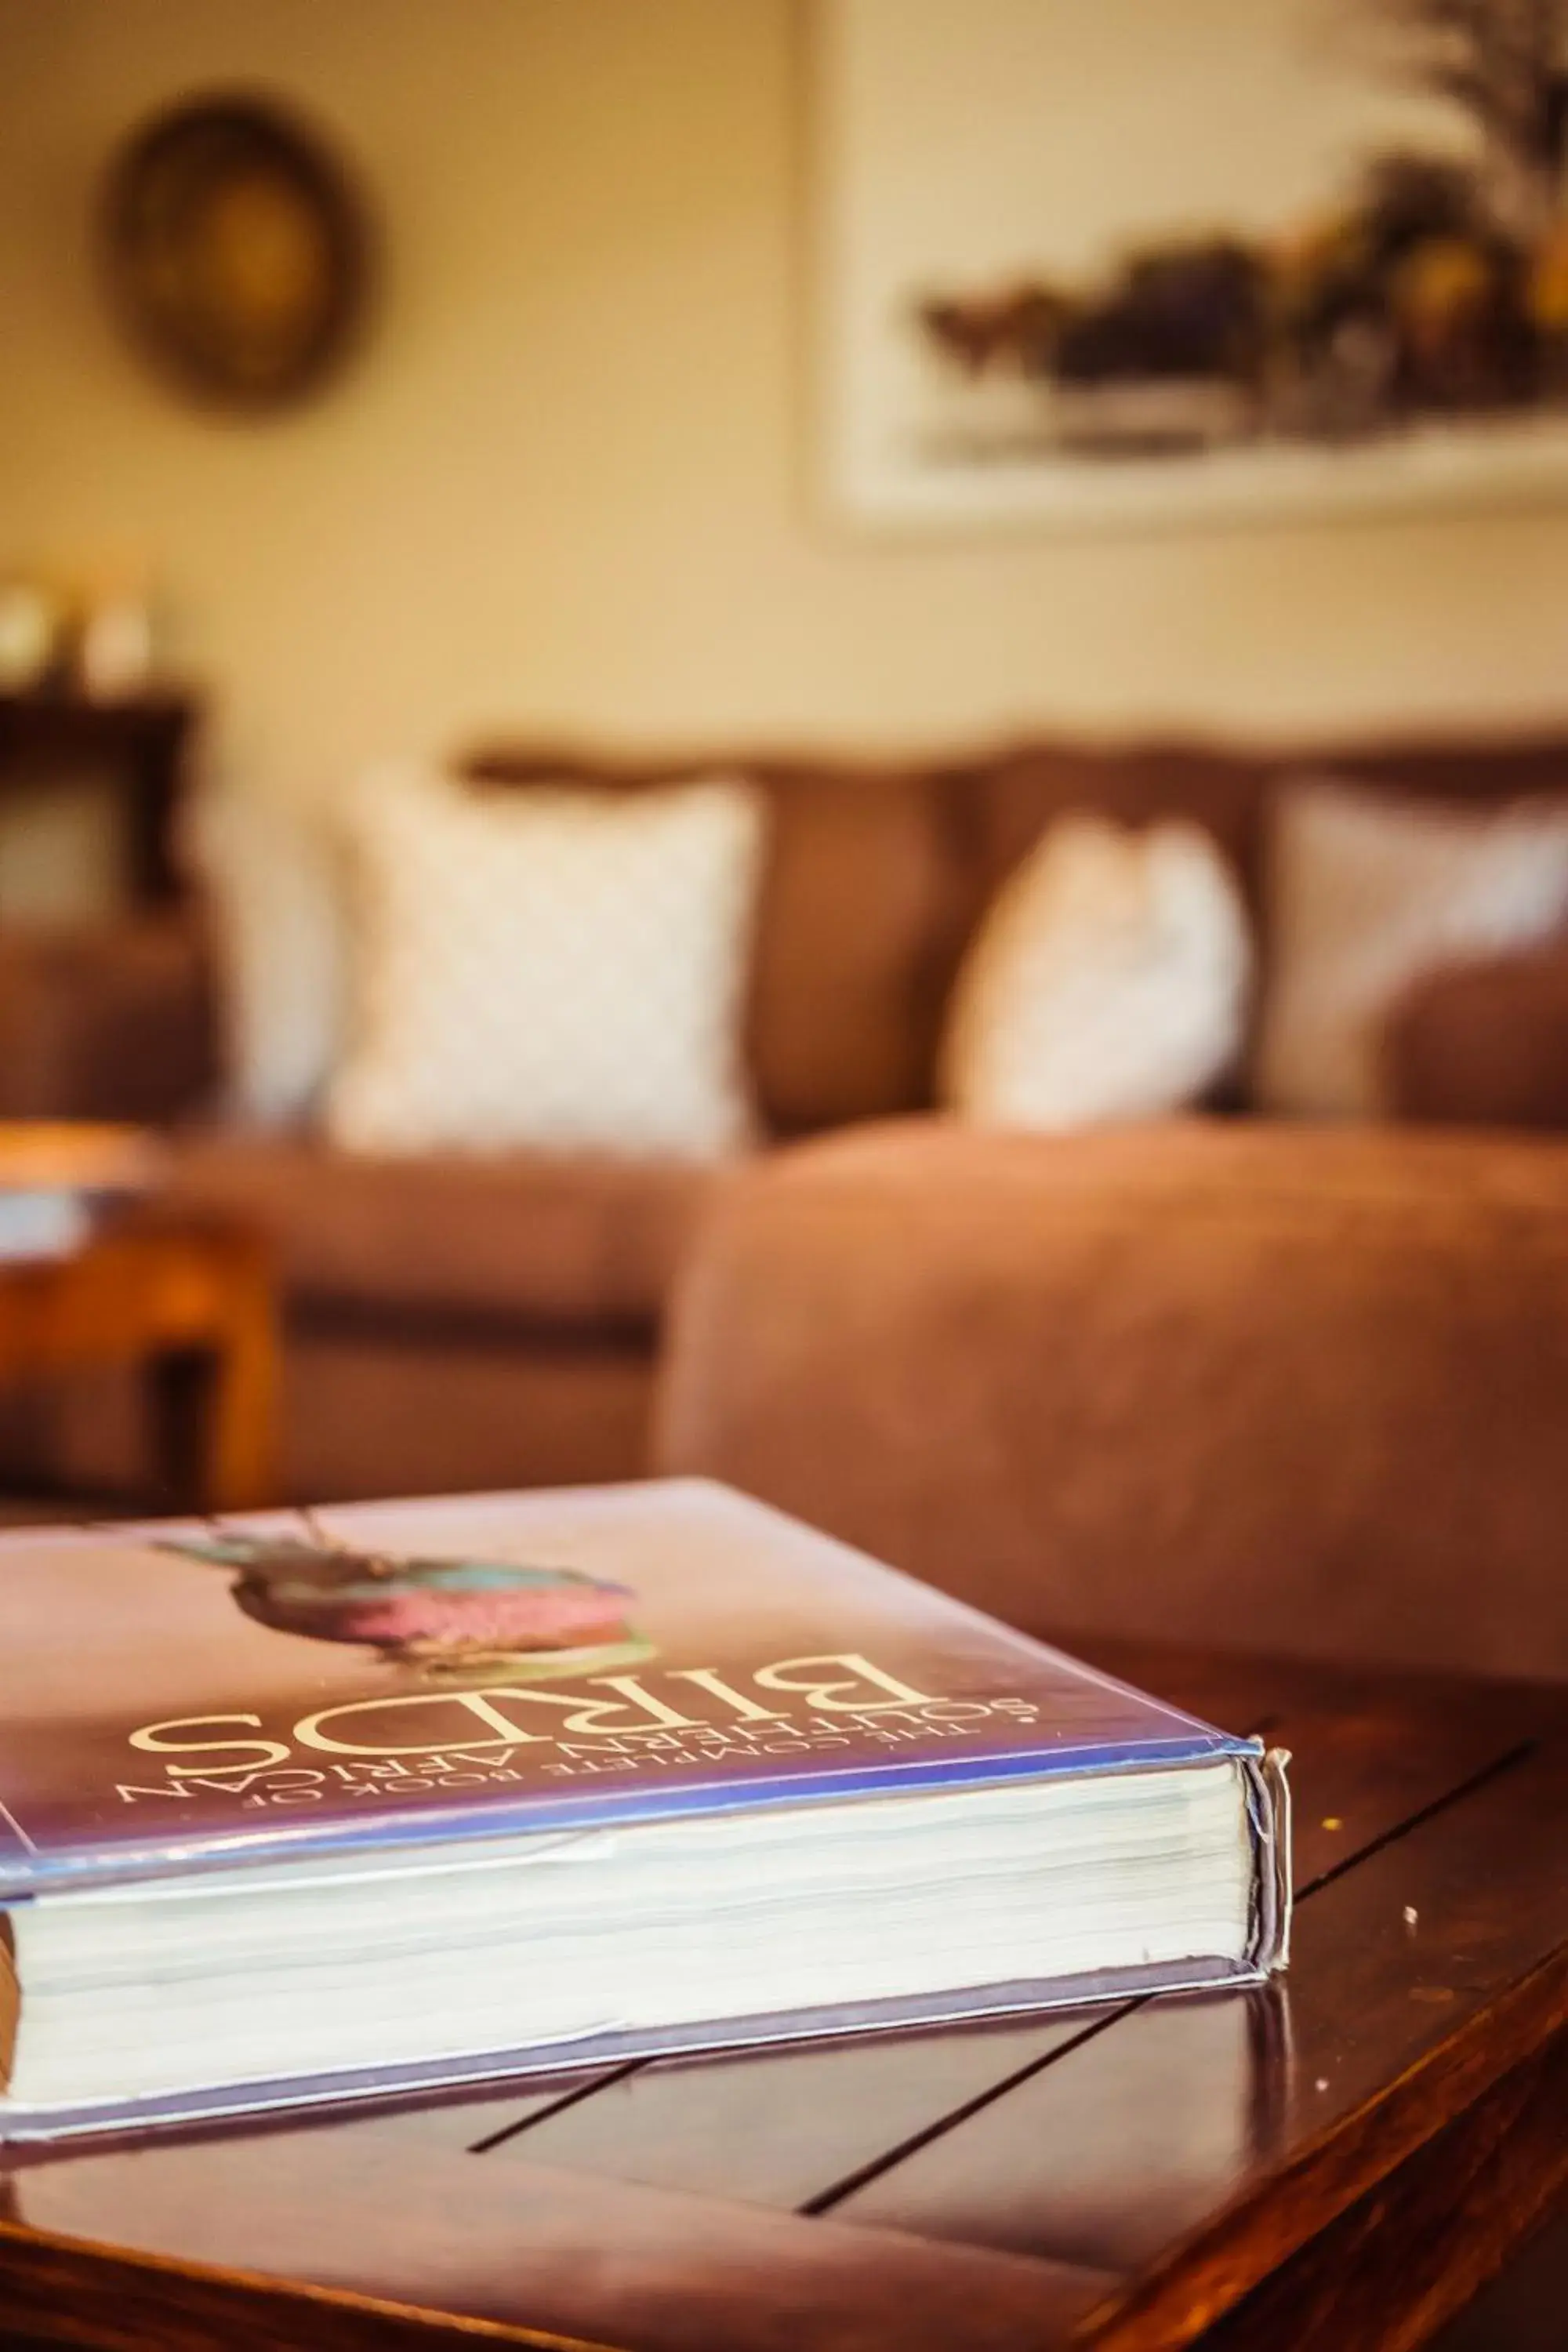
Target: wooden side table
[191, 1305]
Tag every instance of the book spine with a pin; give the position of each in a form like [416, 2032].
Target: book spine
[1268, 1812]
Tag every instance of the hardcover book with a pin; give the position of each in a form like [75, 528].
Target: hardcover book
[297, 1808]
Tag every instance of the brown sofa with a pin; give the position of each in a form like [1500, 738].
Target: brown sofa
[456, 1323]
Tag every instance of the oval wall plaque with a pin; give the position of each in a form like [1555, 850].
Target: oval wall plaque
[237, 251]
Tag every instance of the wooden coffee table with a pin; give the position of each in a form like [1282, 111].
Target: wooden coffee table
[188, 1304]
[1329, 2164]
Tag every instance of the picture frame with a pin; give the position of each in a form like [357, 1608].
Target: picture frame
[1089, 270]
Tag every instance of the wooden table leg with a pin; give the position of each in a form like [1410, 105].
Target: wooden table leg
[213, 1407]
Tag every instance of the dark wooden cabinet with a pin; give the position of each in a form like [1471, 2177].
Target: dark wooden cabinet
[141, 746]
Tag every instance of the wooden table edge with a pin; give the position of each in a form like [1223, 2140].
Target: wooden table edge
[1205, 2276]
[525, 2239]
[208, 2293]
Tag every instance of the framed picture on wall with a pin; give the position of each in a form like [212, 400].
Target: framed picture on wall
[1095, 262]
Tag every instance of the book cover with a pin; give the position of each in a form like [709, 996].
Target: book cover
[186, 1695]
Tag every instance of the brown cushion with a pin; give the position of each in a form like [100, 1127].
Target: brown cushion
[864, 902]
[1484, 1044]
[569, 1242]
[863, 913]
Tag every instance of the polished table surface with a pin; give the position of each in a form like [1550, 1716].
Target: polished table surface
[1335, 2161]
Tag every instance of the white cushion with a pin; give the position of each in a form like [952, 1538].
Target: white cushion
[1367, 895]
[269, 868]
[1108, 982]
[552, 967]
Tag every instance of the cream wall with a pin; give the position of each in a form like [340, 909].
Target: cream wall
[567, 482]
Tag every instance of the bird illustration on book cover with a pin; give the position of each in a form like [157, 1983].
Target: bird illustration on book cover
[446, 1618]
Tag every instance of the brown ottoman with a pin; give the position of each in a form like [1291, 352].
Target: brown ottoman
[1279, 1386]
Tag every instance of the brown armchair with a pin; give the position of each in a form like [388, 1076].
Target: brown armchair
[1293, 1388]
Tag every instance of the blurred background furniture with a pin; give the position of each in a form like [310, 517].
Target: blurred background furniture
[451, 1321]
[1212, 1380]
[130, 756]
[457, 1321]
[105, 1004]
[186, 1308]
